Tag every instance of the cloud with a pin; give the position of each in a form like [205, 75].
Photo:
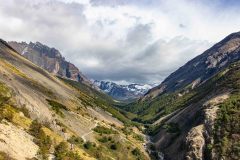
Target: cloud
[128, 40]
[139, 35]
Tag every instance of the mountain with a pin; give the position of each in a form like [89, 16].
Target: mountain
[123, 92]
[194, 112]
[201, 68]
[49, 59]
[44, 116]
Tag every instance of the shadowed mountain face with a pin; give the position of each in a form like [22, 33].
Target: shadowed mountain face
[49, 59]
[201, 67]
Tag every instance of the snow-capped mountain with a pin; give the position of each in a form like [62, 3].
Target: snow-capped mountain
[123, 92]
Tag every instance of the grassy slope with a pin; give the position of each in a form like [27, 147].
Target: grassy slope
[98, 99]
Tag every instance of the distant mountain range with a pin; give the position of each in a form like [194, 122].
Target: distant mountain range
[123, 92]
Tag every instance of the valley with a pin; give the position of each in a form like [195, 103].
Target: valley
[52, 111]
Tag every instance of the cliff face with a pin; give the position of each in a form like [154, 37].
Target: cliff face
[49, 59]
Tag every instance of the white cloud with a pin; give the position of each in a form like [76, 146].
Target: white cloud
[127, 40]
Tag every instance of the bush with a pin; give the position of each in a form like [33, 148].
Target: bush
[138, 137]
[57, 107]
[41, 139]
[62, 152]
[72, 156]
[104, 139]
[172, 128]
[44, 142]
[114, 146]
[89, 145]
[35, 128]
[136, 152]
[76, 140]
[104, 130]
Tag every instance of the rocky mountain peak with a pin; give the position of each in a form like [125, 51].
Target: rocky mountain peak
[49, 59]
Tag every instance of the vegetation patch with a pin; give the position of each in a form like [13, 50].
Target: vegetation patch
[104, 130]
[172, 128]
[227, 130]
[57, 107]
[89, 145]
[78, 141]
[62, 152]
[41, 139]
[138, 137]
[94, 98]
[5, 156]
[5, 93]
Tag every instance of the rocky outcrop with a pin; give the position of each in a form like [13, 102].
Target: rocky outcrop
[196, 143]
[49, 59]
[16, 142]
[202, 67]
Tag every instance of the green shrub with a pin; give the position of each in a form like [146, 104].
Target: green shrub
[57, 107]
[62, 152]
[227, 129]
[89, 145]
[44, 142]
[138, 137]
[35, 128]
[172, 128]
[104, 139]
[41, 139]
[72, 156]
[104, 130]
[5, 93]
[76, 140]
[114, 146]
[136, 152]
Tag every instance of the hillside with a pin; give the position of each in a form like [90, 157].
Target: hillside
[201, 68]
[194, 113]
[206, 125]
[43, 116]
[176, 89]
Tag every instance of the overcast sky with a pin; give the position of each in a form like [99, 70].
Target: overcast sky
[124, 41]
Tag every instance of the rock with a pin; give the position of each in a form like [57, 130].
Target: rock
[196, 143]
[16, 142]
